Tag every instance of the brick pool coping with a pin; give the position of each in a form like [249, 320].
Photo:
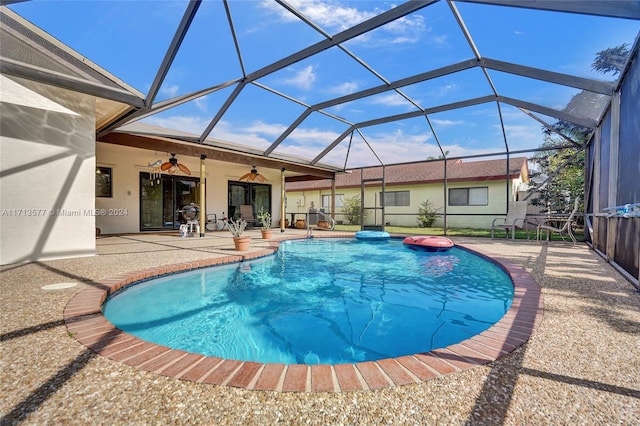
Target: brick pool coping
[85, 322]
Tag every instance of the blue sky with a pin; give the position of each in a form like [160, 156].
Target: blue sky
[129, 39]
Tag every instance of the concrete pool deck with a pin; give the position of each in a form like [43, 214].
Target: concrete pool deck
[580, 365]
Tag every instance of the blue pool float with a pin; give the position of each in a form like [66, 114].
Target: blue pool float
[372, 235]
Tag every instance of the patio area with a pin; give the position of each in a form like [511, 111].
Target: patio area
[580, 365]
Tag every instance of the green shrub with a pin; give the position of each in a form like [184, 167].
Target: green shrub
[351, 210]
[426, 214]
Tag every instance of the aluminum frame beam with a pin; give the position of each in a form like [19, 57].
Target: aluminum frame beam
[611, 8]
[172, 50]
[596, 86]
[581, 121]
[65, 81]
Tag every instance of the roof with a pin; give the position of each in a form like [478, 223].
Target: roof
[423, 173]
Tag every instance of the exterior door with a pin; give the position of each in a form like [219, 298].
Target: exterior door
[255, 194]
[162, 197]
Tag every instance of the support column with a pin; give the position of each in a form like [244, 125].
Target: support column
[283, 195]
[333, 198]
[203, 201]
[614, 148]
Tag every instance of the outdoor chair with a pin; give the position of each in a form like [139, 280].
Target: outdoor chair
[550, 225]
[516, 218]
[246, 213]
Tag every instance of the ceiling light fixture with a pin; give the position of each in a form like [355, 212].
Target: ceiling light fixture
[253, 175]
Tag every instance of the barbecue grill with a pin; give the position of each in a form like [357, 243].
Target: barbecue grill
[189, 221]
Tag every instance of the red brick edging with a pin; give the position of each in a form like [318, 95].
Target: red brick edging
[85, 322]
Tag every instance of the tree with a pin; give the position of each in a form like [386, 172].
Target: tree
[351, 210]
[566, 170]
[426, 214]
[565, 167]
[611, 60]
[440, 157]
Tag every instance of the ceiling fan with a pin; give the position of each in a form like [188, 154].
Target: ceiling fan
[253, 175]
[173, 164]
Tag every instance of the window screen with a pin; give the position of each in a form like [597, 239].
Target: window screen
[478, 196]
[326, 201]
[469, 196]
[396, 198]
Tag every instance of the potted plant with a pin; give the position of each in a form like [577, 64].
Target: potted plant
[237, 227]
[265, 220]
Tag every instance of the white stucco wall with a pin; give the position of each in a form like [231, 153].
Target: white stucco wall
[47, 181]
[123, 209]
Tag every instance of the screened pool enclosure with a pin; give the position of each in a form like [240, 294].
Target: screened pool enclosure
[334, 85]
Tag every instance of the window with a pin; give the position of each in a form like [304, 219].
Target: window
[103, 182]
[469, 196]
[326, 202]
[396, 198]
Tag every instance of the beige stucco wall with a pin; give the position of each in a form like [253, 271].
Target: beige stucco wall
[47, 185]
[127, 163]
[459, 216]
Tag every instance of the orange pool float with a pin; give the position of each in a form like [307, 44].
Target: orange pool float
[428, 243]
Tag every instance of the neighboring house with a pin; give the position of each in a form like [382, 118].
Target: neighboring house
[476, 192]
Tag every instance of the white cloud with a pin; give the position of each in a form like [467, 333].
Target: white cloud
[334, 17]
[313, 136]
[407, 29]
[439, 40]
[447, 88]
[327, 14]
[345, 88]
[390, 99]
[189, 124]
[258, 134]
[170, 91]
[271, 129]
[303, 79]
[447, 123]
[201, 103]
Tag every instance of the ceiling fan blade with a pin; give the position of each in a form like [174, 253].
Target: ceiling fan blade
[165, 166]
[245, 176]
[184, 169]
[261, 178]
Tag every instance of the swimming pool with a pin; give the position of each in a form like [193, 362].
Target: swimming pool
[324, 301]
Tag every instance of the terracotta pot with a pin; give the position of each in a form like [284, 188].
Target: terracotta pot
[301, 223]
[323, 224]
[266, 233]
[242, 243]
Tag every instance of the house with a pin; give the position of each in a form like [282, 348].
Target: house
[476, 192]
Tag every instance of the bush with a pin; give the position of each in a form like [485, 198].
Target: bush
[426, 215]
[351, 210]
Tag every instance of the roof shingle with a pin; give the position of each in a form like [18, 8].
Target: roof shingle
[423, 173]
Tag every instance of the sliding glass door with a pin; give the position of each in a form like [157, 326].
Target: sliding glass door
[255, 194]
[161, 198]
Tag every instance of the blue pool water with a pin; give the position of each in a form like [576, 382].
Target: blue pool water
[324, 301]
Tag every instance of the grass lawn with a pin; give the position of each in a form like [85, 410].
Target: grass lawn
[460, 232]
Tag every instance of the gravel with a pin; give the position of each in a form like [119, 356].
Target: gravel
[581, 366]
